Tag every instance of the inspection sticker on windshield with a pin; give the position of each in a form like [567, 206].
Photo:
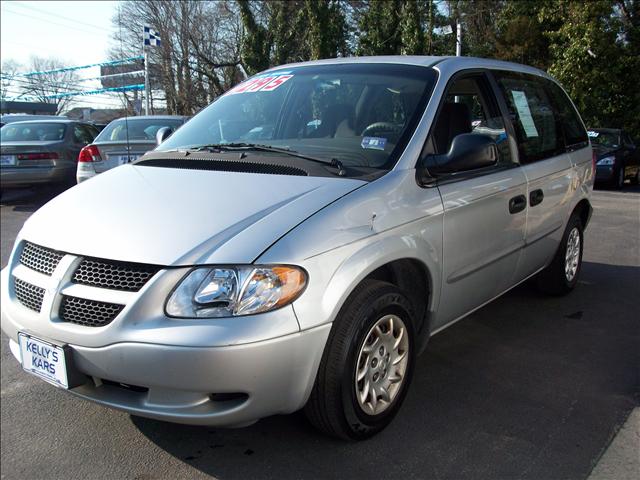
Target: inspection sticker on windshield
[375, 143]
[264, 83]
[593, 134]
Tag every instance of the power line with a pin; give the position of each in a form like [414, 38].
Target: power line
[48, 21]
[69, 19]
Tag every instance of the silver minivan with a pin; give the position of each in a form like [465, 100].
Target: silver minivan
[297, 243]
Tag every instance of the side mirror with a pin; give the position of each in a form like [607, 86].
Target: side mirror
[469, 151]
[162, 134]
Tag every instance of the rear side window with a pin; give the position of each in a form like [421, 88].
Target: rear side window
[82, 134]
[575, 135]
[537, 123]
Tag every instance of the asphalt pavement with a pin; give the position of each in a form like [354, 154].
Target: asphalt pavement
[528, 387]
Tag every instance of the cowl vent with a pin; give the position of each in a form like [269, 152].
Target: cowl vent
[222, 166]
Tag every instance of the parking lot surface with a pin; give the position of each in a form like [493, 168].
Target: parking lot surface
[528, 387]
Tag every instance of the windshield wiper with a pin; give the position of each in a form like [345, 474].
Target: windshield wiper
[334, 162]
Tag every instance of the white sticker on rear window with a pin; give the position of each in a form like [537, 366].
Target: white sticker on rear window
[593, 134]
[524, 114]
[264, 83]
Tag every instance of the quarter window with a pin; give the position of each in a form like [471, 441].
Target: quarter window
[575, 134]
[537, 123]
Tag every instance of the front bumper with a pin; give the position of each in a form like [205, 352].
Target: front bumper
[219, 372]
[219, 386]
[24, 176]
[604, 173]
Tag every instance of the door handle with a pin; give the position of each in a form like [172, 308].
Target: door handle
[536, 197]
[517, 204]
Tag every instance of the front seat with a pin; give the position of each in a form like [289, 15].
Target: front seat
[454, 119]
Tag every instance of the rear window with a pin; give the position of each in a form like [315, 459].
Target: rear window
[32, 132]
[138, 129]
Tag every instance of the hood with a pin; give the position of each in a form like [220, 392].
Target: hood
[602, 151]
[168, 216]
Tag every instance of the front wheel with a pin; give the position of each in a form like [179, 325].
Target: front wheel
[561, 276]
[367, 364]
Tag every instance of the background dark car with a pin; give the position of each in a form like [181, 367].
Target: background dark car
[617, 156]
[123, 141]
[42, 151]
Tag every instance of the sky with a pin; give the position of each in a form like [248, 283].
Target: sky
[77, 32]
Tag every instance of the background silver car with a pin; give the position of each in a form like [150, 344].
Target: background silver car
[42, 151]
[123, 141]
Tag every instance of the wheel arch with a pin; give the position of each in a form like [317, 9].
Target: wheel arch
[409, 263]
[584, 210]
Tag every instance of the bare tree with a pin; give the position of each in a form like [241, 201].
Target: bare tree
[198, 57]
[7, 75]
[47, 87]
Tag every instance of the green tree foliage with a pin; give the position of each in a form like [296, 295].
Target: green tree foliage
[598, 65]
[592, 47]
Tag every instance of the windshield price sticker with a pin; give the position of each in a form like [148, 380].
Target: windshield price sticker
[375, 143]
[593, 134]
[526, 120]
[260, 84]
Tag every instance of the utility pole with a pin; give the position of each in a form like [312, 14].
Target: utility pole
[458, 37]
[146, 80]
[430, 47]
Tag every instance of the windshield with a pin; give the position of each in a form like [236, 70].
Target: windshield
[360, 114]
[139, 129]
[604, 139]
[32, 132]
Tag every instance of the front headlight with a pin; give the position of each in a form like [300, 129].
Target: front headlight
[606, 161]
[210, 292]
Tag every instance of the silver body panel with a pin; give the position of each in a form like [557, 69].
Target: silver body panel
[339, 230]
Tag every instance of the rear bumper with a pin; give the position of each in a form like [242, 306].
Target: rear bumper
[23, 176]
[217, 386]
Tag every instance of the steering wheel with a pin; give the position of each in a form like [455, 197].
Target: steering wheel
[380, 127]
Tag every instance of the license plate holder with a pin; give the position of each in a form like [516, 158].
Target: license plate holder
[7, 160]
[122, 159]
[48, 361]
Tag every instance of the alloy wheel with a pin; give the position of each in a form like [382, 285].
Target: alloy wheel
[572, 255]
[382, 365]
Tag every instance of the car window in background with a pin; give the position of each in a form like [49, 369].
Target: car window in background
[362, 115]
[627, 140]
[32, 132]
[82, 134]
[536, 121]
[139, 129]
[604, 138]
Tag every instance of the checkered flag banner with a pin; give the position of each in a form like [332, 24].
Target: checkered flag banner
[150, 37]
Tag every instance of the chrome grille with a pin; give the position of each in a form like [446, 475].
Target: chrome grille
[129, 277]
[28, 295]
[89, 313]
[40, 259]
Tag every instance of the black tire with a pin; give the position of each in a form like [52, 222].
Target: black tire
[333, 407]
[553, 280]
[636, 178]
